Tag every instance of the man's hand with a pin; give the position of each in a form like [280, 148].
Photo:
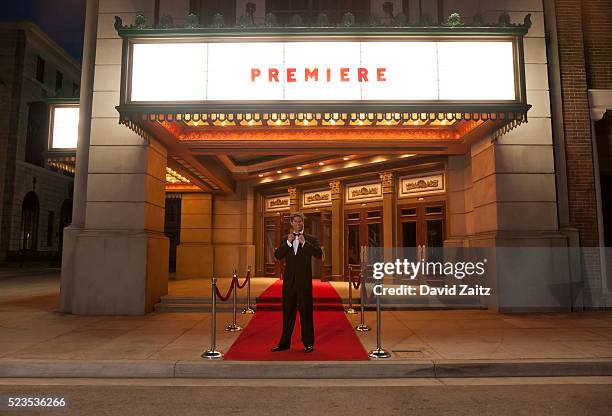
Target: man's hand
[301, 239]
[290, 237]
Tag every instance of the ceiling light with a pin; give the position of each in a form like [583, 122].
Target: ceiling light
[321, 163]
[261, 175]
[279, 171]
[299, 168]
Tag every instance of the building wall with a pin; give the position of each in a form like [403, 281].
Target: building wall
[596, 19]
[52, 189]
[582, 62]
[21, 44]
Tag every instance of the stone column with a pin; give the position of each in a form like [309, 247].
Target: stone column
[337, 251]
[82, 158]
[121, 256]
[388, 189]
[194, 254]
[294, 202]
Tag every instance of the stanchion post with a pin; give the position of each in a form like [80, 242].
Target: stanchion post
[379, 352]
[212, 353]
[362, 327]
[248, 309]
[234, 327]
[350, 310]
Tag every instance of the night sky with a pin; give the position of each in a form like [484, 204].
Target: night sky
[62, 20]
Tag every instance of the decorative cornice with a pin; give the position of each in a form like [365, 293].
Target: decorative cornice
[399, 26]
[387, 180]
[336, 189]
[293, 195]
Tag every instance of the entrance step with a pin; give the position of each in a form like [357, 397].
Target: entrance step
[203, 304]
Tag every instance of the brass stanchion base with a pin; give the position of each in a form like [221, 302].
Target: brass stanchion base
[350, 311]
[380, 353]
[362, 328]
[248, 311]
[212, 354]
[233, 328]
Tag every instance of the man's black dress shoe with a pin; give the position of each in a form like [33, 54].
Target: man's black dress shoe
[308, 349]
[278, 348]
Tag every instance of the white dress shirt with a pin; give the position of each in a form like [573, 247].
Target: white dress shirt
[295, 243]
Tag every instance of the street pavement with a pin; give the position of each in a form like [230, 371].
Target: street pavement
[590, 396]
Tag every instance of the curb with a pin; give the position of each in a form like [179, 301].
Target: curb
[303, 369]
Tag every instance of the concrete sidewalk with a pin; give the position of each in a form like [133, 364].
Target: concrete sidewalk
[38, 341]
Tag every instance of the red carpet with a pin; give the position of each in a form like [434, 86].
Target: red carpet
[335, 338]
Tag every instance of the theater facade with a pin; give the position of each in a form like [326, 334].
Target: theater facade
[197, 141]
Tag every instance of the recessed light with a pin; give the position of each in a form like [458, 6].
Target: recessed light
[260, 175]
[279, 171]
[345, 158]
[299, 168]
[321, 163]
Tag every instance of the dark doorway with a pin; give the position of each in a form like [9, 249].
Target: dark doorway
[172, 228]
[29, 222]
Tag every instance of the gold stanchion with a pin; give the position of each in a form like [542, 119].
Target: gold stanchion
[234, 327]
[212, 353]
[362, 327]
[248, 309]
[350, 310]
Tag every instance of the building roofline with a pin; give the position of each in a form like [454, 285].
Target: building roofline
[33, 29]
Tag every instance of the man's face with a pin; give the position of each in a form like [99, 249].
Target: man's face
[297, 223]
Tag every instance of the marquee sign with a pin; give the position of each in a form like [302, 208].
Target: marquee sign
[319, 71]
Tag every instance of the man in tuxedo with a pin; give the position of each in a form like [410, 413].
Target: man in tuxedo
[297, 248]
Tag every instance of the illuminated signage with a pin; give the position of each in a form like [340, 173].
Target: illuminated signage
[323, 71]
[65, 127]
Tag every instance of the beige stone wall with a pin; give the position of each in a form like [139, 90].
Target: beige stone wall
[233, 231]
[194, 254]
[122, 254]
[509, 185]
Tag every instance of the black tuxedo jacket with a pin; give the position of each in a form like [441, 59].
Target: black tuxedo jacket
[298, 267]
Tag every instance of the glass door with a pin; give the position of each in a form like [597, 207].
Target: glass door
[274, 228]
[421, 231]
[363, 229]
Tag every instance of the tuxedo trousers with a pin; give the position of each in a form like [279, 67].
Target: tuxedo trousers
[296, 298]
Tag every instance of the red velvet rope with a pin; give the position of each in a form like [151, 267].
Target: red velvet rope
[246, 279]
[229, 292]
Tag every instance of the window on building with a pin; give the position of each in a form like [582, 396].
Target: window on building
[36, 138]
[40, 70]
[59, 81]
[50, 222]
[29, 221]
